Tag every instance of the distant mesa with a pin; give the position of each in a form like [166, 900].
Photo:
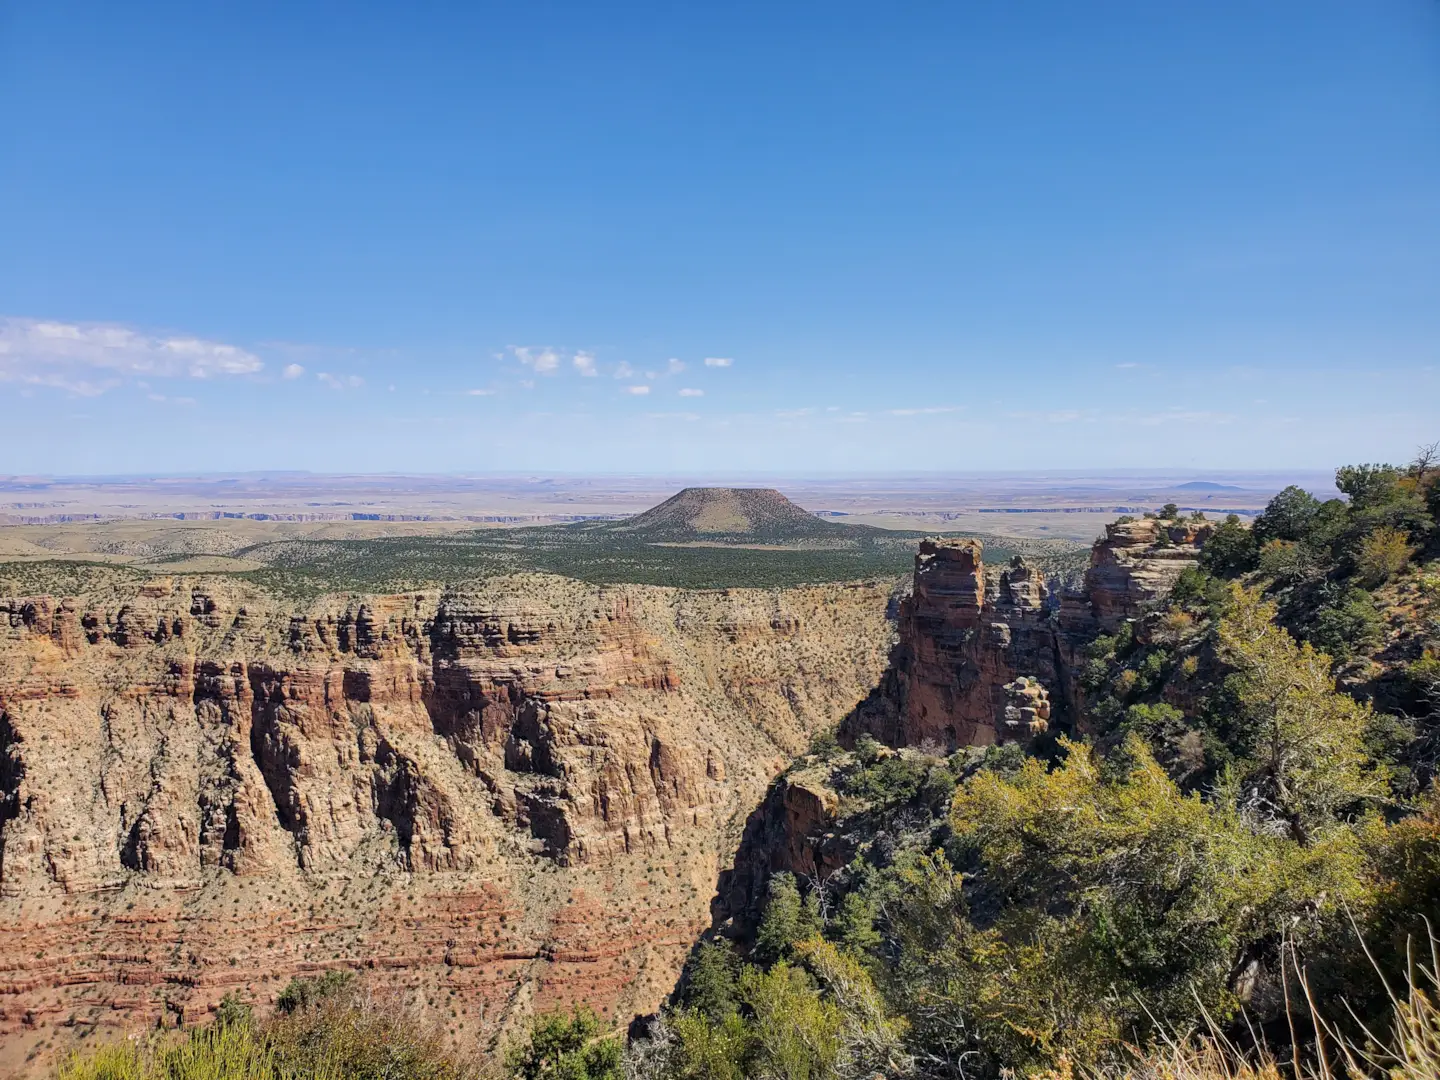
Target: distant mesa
[1206, 485]
[723, 514]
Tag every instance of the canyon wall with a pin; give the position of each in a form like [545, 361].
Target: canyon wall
[514, 797]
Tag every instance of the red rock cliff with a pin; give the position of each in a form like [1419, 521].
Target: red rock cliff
[515, 796]
[973, 664]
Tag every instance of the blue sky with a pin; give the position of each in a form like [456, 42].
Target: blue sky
[786, 238]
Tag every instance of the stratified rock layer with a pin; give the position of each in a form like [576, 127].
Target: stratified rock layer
[1132, 567]
[514, 797]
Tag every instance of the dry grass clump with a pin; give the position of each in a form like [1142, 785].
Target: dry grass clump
[361, 1037]
[1409, 1051]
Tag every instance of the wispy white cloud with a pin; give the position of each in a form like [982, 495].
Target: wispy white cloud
[624, 371]
[584, 363]
[1052, 416]
[719, 361]
[340, 382]
[90, 358]
[1129, 365]
[168, 400]
[673, 416]
[926, 411]
[1173, 415]
[640, 389]
[675, 366]
[690, 391]
[1185, 416]
[292, 371]
[540, 359]
[308, 352]
[474, 393]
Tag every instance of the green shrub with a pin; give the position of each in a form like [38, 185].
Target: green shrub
[301, 993]
[1196, 589]
[117, 1061]
[1231, 549]
[786, 919]
[887, 781]
[1304, 740]
[1005, 759]
[1424, 675]
[711, 1049]
[565, 1046]
[796, 1032]
[233, 1010]
[1382, 554]
[824, 745]
[1348, 625]
[1111, 903]
[1288, 516]
[340, 1035]
[1286, 561]
[333, 1038]
[219, 1052]
[712, 979]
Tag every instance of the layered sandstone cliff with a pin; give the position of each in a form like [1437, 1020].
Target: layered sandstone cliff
[1131, 567]
[519, 795]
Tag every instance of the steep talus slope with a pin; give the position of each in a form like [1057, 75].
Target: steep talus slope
[516, 795]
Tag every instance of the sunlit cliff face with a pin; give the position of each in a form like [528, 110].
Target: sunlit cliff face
[514, 797]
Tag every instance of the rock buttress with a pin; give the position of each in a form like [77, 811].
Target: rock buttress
[964, 646]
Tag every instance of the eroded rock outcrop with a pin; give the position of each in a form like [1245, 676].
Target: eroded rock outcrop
[1133, 565]
[986, 657]
[963, 644]
[515, 796]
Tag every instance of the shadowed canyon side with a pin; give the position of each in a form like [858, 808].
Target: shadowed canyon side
[984, 656]
[516, 796]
